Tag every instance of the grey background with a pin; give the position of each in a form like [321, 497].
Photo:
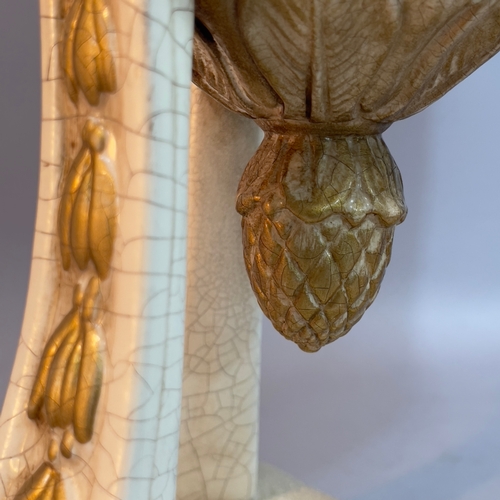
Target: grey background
[405, 407]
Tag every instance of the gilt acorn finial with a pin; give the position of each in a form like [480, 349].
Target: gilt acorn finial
[318, 233]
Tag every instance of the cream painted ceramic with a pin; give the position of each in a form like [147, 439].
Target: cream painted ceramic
[134, 449]
[159, 433]
[220, 411]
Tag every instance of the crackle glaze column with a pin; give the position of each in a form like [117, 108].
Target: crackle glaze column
[97, 415]
[219, 432]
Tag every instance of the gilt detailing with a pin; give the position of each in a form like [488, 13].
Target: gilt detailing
[44, 484]
[88, 58]
[68, 383]
[69, 379]
[88, 212]
[318, 216]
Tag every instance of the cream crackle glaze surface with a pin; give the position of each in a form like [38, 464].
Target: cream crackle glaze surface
[137, 177]
[220, 410]
[324, 79]
[218, 451]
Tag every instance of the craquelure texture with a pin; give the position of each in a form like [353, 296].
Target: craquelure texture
[68, 384]
[111, 215]
[323, 78]
[218, 451]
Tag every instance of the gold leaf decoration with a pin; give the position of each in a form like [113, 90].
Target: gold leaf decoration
[69, 379]
[88, 50]
[69, 324]
[318, 222]
[67, 444]
[88, 211]
[80, 167]
[68, 55]
[70, 384]
[44, 484]
[56, 378]
[102, 219]
[91, 369]
[80, 222]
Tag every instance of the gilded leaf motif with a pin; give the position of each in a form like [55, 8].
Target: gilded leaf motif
[79, 222]
[89, 47]
[88, 211]
[68, 49]
[70, 383]
[89, 384]
[105, 38]
[103, 217]
[79, 168]
[44, 484]
[320, 219]
[69, 379]
[56, 377]
[68, 325]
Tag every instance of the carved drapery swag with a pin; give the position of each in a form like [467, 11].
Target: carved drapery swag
[323, 79]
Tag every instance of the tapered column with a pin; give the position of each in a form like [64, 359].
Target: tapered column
[115, 107]
[219, 431]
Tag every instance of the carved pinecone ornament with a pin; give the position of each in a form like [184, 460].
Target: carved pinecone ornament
[318, 221]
